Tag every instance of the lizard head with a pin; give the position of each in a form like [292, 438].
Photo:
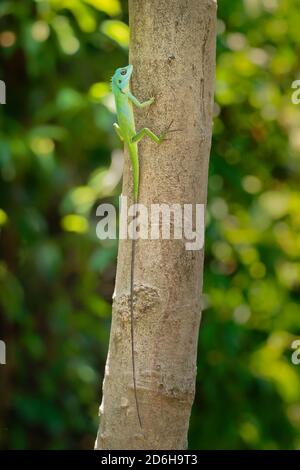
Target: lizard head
[122, 76]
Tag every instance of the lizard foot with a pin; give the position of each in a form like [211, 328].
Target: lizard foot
[168, 130]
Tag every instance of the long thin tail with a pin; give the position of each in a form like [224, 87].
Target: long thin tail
[133, 152]
[132, 329]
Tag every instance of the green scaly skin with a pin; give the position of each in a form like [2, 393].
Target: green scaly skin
[125, 129]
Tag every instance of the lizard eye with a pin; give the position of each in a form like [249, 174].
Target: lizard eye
[123, 72]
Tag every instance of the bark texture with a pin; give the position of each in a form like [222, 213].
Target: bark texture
[172, 50]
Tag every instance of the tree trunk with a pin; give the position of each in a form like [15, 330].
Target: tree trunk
[172, 50]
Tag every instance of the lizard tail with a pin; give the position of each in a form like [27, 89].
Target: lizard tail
[132, 330]
[133, 152]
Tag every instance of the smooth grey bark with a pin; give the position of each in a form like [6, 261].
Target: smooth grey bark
[172, 49]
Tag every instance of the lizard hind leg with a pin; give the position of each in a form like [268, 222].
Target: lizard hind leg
[118, 130]
[146, 132]
[157, 139]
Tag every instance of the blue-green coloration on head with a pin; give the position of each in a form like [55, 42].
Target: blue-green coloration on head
[121, 77]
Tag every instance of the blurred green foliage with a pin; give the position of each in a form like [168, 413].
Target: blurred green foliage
[57, 163]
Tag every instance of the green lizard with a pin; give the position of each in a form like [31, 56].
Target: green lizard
[125, 129]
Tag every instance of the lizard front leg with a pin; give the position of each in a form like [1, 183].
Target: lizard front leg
[137, 103]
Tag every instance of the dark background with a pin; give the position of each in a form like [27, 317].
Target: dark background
[57, 163]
